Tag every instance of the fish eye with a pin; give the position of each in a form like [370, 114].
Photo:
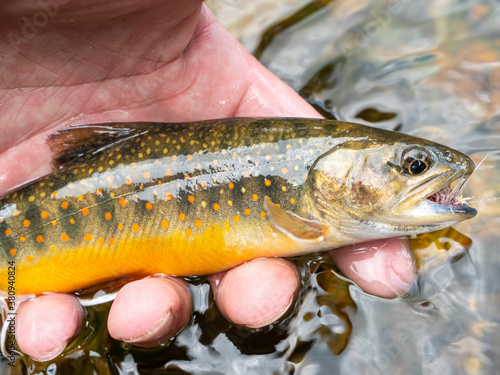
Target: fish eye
[416, 162]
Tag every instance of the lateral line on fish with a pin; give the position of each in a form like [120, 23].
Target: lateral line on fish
[217, 173]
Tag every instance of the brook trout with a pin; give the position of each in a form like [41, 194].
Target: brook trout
[197, 198]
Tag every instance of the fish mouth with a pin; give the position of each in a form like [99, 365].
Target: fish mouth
[446, 198]
[437, 200]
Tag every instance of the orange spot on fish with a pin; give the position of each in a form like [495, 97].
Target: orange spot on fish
[247, 211]
[168, 196]
[100, 240]
[198, 223]
[284, 170]
[149, 206]
[262, 214]
[12, 252]
[186, 176]
[8, 232]
[64, 205]
[236, 218]
[255, 197]
[292, 201]
[156, 241]
[72, 221]
[135, 228]
[147, 175]
[189, 232]
[54, 222]
[16, 212]
[169, 172]
[120, 226]
[22, 239]
[216, 206]
[164, 224]
[88, 237]
[85, 211]
[99, 192]
[128, 181]
[44, 214]
[80, 197]
[39, 238]
[191, 199]
[29, 259]
[231, 185]
[267, 183]
[64, 237]
[26, 223]
[182, 216]
[123, 202]
[108, 216]
[112, 241]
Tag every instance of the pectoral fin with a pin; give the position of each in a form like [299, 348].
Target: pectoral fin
[293, 225]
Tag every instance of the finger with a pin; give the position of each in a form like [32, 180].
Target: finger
[256, 293]
[46, 324]
[385, 268]
[149, 312]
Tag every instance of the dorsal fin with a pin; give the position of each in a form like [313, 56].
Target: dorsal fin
[78, 144]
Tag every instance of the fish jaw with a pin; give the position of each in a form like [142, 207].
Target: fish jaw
[438, 204]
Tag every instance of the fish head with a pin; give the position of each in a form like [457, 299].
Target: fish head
[394, 186]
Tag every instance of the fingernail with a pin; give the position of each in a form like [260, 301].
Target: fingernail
[47, 324]
[156, 333]
[402, 273]
[149, 312]
[257, 293]
[384, 268]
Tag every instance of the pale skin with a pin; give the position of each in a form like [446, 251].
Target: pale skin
[149, 60]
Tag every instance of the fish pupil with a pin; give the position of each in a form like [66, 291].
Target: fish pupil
[417, 166]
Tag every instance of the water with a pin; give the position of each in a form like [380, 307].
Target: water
[428, 68]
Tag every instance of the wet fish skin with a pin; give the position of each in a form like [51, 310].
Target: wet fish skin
[197, 198]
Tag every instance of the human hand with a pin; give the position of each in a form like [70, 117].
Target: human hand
[149, 61]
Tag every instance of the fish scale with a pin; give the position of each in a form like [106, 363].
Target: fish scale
[181, 199]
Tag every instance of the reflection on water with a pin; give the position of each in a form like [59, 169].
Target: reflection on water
[428, 68]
